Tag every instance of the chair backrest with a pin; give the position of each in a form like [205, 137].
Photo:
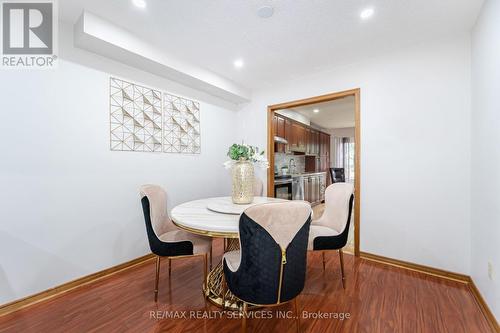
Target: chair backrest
[154, 206]
[338, 175]
[338, 206]
[273, 242]
[157, 198]
[258, 187]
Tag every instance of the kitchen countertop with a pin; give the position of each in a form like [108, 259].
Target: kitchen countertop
[296, 175]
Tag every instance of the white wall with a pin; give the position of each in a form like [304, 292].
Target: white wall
[70, 206]
[415, 153]
[345, 132]
[485, 226]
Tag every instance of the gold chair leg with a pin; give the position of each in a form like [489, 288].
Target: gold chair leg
[244, 319]
[205, 265]
[297, 313]
[323, 254]
[157, 277]
[341, 256]
[210, 257]
[223, 282]
[169, 267]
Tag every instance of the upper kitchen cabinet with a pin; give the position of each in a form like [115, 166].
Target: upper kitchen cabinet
[275, 124]
[297, 139]
[300, 137]
[293, 139]
[309, 142]
[288, 133]
[280, 127]
[279, 130]
[324, 146]
[315, 142]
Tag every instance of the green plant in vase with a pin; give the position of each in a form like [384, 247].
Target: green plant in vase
[242, 160]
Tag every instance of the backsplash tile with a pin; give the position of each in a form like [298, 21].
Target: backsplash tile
[281, 160]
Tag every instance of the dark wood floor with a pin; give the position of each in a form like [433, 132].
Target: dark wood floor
[379, 298]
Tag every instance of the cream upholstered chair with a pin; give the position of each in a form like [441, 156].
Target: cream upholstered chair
[330, 231]
[270, 267]
[165, 239]
[258, 187]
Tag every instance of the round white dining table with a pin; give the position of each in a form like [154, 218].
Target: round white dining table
[215, 217]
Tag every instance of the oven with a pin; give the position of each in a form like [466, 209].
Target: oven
[283, 188]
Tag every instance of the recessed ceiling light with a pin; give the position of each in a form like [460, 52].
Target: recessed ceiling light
[238, 63]
[265, 12]
[367, 13]
[139, 3]
[315, 110]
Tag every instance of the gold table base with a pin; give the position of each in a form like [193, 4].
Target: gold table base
[213, 287]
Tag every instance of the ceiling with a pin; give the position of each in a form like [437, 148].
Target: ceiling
[338, 113]
[302, 36]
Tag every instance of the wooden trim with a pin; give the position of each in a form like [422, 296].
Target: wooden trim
[357, 182]
[71, 285]
[314, 100]
[357, 170]
[484, 306]
[443, 274]
[270, 152]
[416, 267]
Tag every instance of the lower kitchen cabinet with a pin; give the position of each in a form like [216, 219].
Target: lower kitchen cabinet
[314, 188]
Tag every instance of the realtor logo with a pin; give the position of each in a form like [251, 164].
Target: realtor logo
[28, 34]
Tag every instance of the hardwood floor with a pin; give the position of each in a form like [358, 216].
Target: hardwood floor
[379, 298]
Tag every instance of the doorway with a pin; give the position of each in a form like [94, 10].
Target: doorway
[291, 137]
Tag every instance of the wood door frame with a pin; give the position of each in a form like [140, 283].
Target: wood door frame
[357, 138]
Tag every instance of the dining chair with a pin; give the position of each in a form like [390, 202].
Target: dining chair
[331, 230]
[165, 239]
[270, 267]
[258, 187]
[338, 175]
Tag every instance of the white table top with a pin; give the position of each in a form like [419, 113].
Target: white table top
[194, 216]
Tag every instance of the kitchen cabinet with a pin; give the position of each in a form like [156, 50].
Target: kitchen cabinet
[314, 188]
[300, 132]
[324, 145]
[303, 139]
[309, 142]
[322, 187]
[295, 135]
[288, 132]
[281, 127]
[279, 130]
[315, 142]
[291, 134]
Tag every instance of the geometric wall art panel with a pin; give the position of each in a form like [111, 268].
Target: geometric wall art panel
[135, 117]
[181, 125]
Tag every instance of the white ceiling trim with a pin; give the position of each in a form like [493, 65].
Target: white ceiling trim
[97, 35]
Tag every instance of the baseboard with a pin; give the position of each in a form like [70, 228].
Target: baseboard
[466, 279]
[484, 306]
[417, 268]
[72, 285]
